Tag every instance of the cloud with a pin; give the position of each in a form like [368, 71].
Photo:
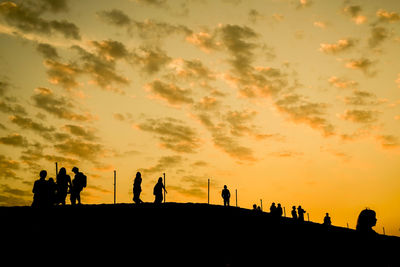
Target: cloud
[386, 16]
[48, 51]
[169, 92]
[156, 3]
[164, 164]
[320, 24]
[63, 74]
[254, 16]
[286, 154]
[15, 139]
[354, 12]
[10, 196]
[60, 107]
[238, 121]
[388, 141]
[80, 131]
[204, 40]
[110, 49]
[361, 98]
[103, 71]
[173, 134]
[191, 70]
[81, 149]
[192, 186]
[9, 107]
[28, 124]
[363, 64]
[8, 168]
[304, 3]
[115, 17]
[378, 35]
[300, 110]
[29, 21]
[342, 83]
[340, 46]
[359, 116]
[151, 60]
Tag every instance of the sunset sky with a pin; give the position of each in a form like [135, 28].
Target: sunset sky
[291, 101]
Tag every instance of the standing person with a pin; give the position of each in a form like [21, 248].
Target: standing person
[301, 212]
[366, 220]
[272, 209]
[158, 191]
[40, 191]
[294, 213]
[279, 210]
[226, 195]
[52, 191]
[327, 220]
[63, 184]
[78, 183]
[137, 188]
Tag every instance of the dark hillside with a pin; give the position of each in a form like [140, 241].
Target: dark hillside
[186, 234]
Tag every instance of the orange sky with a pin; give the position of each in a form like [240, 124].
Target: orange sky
[289, 101]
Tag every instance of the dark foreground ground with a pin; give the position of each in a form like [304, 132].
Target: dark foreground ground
[175, 234]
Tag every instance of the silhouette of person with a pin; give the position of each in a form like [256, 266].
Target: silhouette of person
[40, 191]
[272, 209]
[226, 195]
[52, 191]
[254, 207]
[78, 183]
[294, 213]
[301, 212]
[366, 220]
[63, 184]
[327, 220]
[137, 188]
[279, 210]
[158, 191]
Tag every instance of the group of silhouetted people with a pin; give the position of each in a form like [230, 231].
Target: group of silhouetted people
[47, 193]
[157, 190]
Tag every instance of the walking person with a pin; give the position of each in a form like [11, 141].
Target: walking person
[301, 212]
[137, 188]
[78, 183]
[294, 213]
[226, 195]
[158, 191]
[63, 184]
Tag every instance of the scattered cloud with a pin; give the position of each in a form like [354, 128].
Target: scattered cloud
[164, 163]
[388, 141]
[14, 139]
[169, 92]
[30, 21]
[47, 51]
[63, 74]
[361, 98]
[28, 124]
[82, 149]
[342, 82]
[386, 16]
[80, 131]
[173, 134]
[378, 35]
[8, 168]
[363, 64]
[60, 107]
[360, 116]
[151, 60]
[304, 3]
[340, 46]
[354, 12]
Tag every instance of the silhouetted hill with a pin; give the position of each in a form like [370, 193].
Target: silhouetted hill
[185, 234]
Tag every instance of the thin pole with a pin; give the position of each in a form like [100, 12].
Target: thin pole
[261, 204]
[208, 192]
[115, 186]
[384, 231]
[308, 216]
[347, 225]
[236, 196]
[284, 212]
[164, 186]
[56, 169]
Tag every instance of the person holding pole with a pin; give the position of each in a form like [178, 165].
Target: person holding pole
[158, 191]
[226, 195]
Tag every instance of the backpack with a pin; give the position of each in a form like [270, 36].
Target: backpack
[83, 180]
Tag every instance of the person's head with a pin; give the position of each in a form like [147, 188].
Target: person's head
[294, 207]
[327, 214]
[299, 207]
[138, 175]
[254, 206]
[366, 220]
[279, 204]
[51, 180]
[160, 179]
[43, 174]
[62, 171]
[273, 203]
[75, 170]
[225, 187]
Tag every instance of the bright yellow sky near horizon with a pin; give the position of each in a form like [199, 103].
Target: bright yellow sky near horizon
[291, 101]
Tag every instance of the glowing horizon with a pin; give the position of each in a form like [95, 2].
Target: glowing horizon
[289, 101]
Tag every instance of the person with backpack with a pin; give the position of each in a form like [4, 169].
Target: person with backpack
[158, 191]
[78, 183]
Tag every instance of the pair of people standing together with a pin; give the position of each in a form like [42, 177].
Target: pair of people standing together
[157, 191]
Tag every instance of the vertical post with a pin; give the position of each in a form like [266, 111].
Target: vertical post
[384, 231]
[308, 216]
[165, 186]
[284, 212]
[115, 186]
[236, 196]
[347, 225]
[261, 205]
[208, 192]
[56, 169]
